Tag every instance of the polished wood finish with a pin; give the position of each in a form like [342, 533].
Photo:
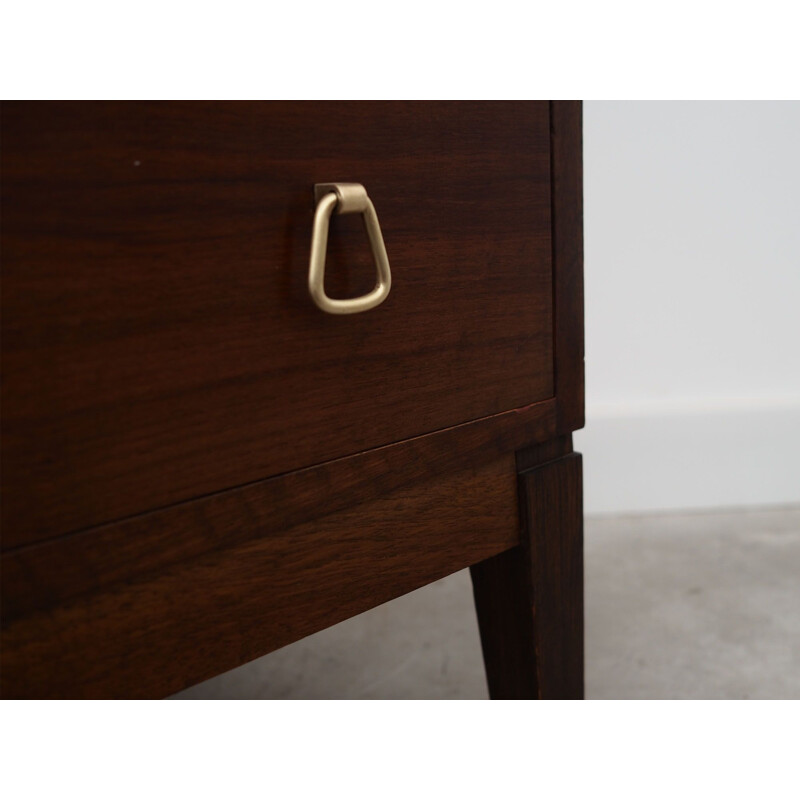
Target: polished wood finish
[199, 466]
[158, 340]
[529, 599]
[43, 575]
[154, 636]
[566, 128]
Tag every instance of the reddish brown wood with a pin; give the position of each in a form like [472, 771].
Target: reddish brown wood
[45, 574]
[538, 452]
[501, 586]
[530, 599]
[566, 130]
[199, 466]
[158, 341]
[155, 636]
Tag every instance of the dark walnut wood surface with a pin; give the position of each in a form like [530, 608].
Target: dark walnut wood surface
[40, 576]
[158, 341]
[199, 466]
[160, 633]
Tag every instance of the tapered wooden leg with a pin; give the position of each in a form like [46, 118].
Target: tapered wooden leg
[530, 599]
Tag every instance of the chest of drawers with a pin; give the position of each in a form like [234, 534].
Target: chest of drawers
[200, 465]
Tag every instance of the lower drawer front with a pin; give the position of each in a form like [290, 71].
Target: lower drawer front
[159, 342]
[161, 633]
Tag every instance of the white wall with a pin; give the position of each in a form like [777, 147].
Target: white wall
[692, 225]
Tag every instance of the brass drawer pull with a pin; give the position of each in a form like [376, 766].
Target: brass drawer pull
[345, 198]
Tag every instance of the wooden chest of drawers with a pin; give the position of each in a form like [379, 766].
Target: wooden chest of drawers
[200, 465]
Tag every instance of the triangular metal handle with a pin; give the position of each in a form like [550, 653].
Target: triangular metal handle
[345, 198]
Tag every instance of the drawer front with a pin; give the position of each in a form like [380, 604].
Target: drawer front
[169, 630]
[159, 342]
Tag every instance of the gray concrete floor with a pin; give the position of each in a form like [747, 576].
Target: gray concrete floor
[677, 606]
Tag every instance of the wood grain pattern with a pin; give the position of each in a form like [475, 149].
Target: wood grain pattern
[538, 452]
[566, 129]
[158, 342]
[199, 466]
[155, 636]
[529, 599]
[43, 575]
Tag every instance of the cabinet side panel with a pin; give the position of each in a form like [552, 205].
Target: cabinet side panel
[566, 138]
